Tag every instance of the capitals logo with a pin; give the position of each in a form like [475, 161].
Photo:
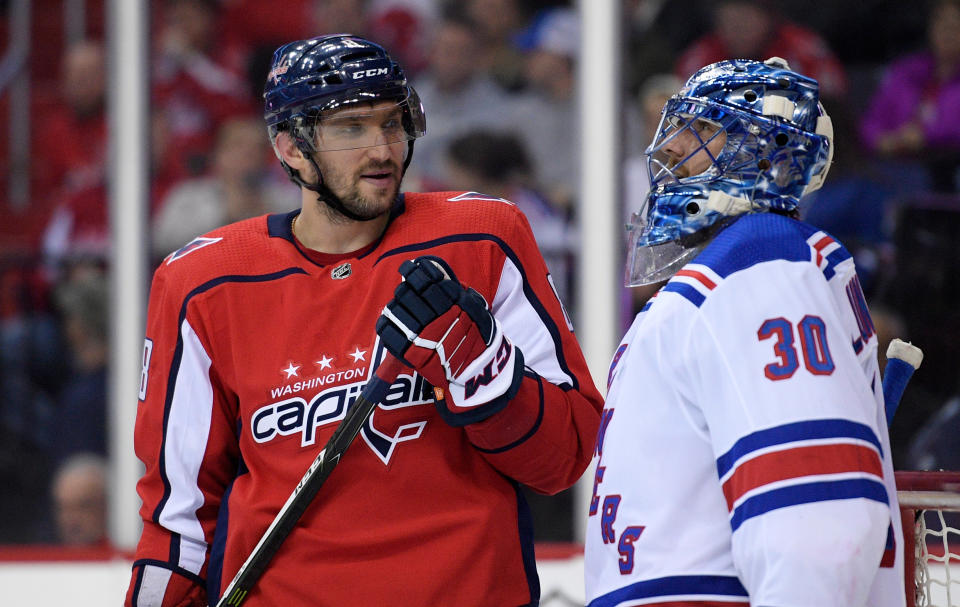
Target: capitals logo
[278, 71]
[304, 416]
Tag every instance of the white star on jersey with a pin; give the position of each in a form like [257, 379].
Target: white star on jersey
[291, 370]
[358, 355]
[324, 362]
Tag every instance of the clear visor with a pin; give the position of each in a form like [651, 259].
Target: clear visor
[649, 264]
[367, 125]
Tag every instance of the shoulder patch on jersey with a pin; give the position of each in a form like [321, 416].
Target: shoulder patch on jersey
[190, 247]
[827, 253]
[762, 237]
[694, 282]
[477, 196]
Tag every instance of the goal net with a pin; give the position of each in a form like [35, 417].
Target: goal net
[930, 512]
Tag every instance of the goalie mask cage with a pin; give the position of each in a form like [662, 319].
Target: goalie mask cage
[930, 513]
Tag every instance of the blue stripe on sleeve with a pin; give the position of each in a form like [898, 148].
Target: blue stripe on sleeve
[808, 493]
[796, 431]
[695, 297]
[678, 585]
[833, 259]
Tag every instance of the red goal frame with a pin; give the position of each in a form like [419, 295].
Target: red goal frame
[919, 491]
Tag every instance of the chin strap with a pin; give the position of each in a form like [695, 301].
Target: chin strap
[326, 195]
[728, 205]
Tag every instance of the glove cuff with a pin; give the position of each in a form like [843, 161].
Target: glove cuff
[484, 392]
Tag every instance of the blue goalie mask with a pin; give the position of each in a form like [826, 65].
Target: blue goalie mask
[740, 137]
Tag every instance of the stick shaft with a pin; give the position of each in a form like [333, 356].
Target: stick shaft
[288, 516]
[895, 378]
[903, 359]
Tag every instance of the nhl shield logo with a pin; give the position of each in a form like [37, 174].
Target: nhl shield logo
[340, 272]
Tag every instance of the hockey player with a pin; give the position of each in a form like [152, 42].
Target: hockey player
[743, 455]
[261, 333]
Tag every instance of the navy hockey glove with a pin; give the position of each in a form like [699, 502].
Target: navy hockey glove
[447, 333]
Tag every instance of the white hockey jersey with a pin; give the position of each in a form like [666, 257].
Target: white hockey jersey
[743, 456]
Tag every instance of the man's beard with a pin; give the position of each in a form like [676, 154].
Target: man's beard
[348, 191]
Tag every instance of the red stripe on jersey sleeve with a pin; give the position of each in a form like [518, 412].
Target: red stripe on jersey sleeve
[700, 276]
[799, 462]
[823, 243]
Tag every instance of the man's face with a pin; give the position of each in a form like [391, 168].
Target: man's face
[80, 509]
[453, 56]
[944, 32]
[361, 156]
[689, 142]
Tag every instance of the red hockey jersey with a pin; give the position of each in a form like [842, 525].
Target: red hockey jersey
[255, 348]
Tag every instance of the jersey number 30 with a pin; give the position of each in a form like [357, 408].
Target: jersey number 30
[812, 333]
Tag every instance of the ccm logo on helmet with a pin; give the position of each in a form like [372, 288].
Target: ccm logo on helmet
[380, 71]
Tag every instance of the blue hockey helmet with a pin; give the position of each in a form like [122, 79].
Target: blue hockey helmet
[309, 79]
[740, 137]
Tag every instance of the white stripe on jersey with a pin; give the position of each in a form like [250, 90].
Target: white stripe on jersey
[524, 327]
[188, 429]
[153, 586]
[192, 554]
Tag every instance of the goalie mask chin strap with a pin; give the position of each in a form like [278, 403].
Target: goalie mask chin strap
[326, 195]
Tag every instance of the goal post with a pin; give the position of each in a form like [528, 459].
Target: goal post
[930, 515]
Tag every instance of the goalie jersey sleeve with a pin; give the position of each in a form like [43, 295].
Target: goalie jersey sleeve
[743, 456]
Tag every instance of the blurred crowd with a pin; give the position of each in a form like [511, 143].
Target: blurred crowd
[498, 80]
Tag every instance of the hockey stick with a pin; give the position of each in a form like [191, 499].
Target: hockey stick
[251, 570]
[903, 359]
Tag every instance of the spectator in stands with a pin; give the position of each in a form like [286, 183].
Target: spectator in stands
[402, 27]
[547, 114]
[71, 138]
[497, 164]
[654, 93]
[237, 187]
[197, 79]
[655, 33]
[915, 109]
[79, 227]
[31, 369]
[256, 24]
[498, 23]
[79, 493]
[80, 421]
[460, 95]
[754, 29]
[332, 16]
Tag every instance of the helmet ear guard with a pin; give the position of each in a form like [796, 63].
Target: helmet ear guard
[824, 128]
